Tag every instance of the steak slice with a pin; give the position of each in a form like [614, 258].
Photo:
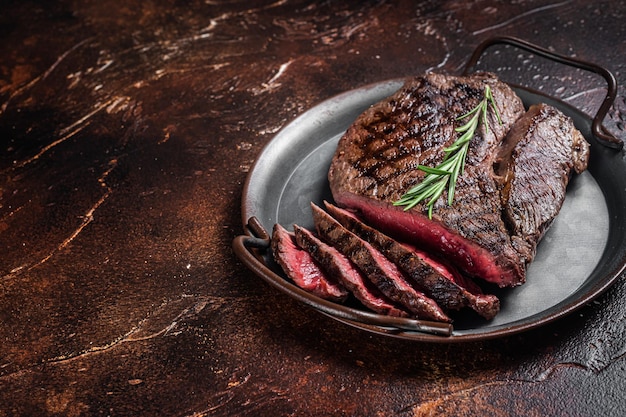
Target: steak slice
[535, 163]
[301, 268]
[437, 281]
[378, 269]
[335, 264]
[376, 163]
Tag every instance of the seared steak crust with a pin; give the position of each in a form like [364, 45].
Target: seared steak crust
[379, 154]
[535, 163]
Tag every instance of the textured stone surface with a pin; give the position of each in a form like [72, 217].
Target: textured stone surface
[126, 132]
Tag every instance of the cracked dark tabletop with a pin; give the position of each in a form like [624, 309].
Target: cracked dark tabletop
[127, 130]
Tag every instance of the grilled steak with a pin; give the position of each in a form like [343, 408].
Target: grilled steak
[534, 166]
[378, 269]
[301, 268]
[437, 281]
[376, 163]
[335, 264]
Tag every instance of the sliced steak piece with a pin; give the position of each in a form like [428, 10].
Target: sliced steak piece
[376, 163]
[535, 163]
[486, 305]
[439, 282]
[301, 268]
[378, 269]
[335, 264]
[446, 269]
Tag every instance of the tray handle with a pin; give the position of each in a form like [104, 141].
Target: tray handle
[599, 131]
[249, 248]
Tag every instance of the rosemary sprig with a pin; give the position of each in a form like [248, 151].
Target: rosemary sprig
[445, 174]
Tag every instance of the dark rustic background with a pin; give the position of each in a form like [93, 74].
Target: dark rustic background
[127, 129]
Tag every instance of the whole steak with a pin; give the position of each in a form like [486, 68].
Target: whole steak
[377, 158]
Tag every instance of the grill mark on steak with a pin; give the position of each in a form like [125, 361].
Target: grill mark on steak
[378, 269]
[301, 268]
[414, 124]
[471, 233]
[437, 281]
[335, 264]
